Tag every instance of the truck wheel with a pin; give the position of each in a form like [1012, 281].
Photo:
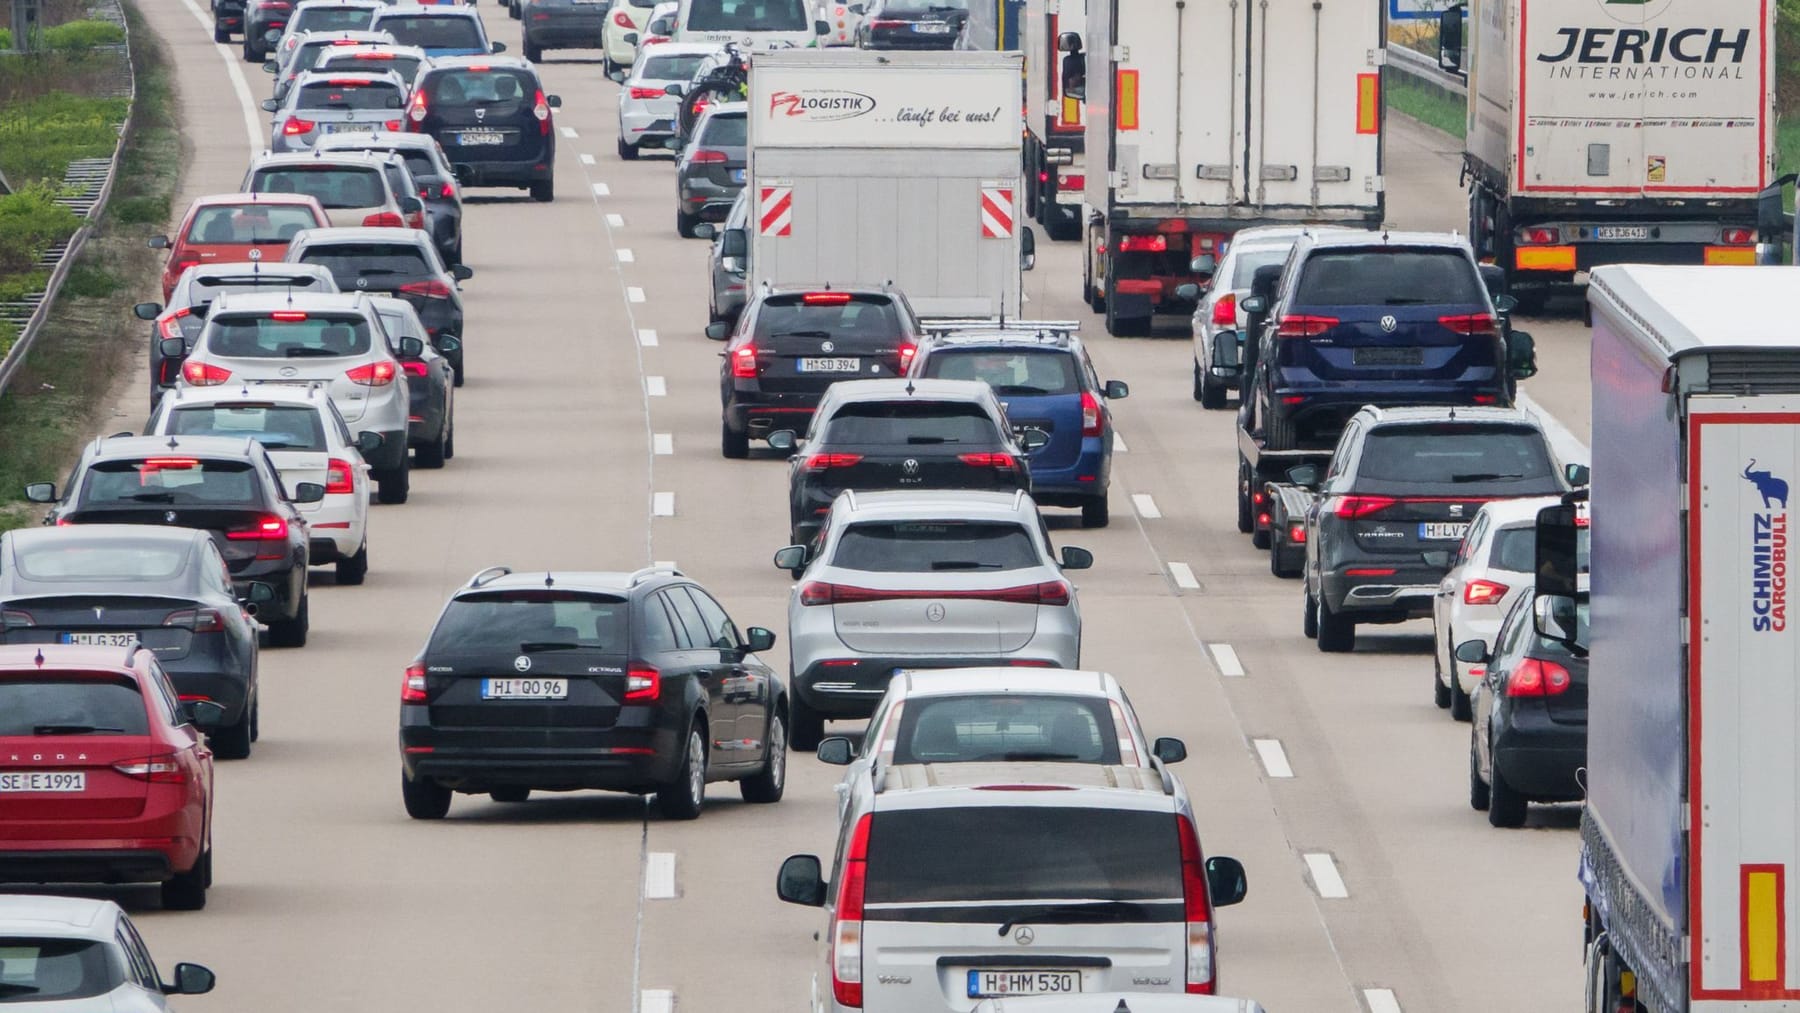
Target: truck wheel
[1281, 431]
[1478, 789]
[1309, 616]
[1246, 512]
[1506, 807]
[1337, 633]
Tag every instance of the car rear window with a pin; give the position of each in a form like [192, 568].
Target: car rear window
[379, 263]
[828, 315]
[52, 704]
[513, 621]
[1515, 549]
[935, 546]
[1006, 728]
[249, 223]
[751, 15]
[1011, 372]
[1451, 453]
[1388, 277]
[48, 970]
[350, 93]
[169, 481]
[277, 427]
[333, 186]
[332, 19]
[457, 88]
[905, 423]
[302, 336]
[429, 32]
[1248, 261]
[671, 68]
[405, 66]
[724, 131]
[1012, 853]
[112, 559]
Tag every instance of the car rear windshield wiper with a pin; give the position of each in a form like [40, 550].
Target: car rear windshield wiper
[1401, 302]
[801, 334]
[312, 353]
[152, 497]
[1483, 476]
[1099, 911]
[534, 646]
[962, 564]
[1023, 389]
[74, 729]
[8, 990]
[921, 440]
[374, 272]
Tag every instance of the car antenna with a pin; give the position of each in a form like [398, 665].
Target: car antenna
[172, 443]
[549, 581]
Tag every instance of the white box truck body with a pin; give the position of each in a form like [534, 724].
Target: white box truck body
[1691, 834]
[871, 167]
[1207, 116]
[1055, 137]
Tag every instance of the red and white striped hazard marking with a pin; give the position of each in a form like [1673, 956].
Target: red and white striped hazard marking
[776, 211]
[996, 212]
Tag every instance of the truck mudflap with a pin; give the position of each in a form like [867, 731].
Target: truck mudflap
[1648, 945]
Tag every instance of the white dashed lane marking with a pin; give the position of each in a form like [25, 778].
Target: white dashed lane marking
[625, 256]
[1381, 1000]
[646, 337]
[1226, 657]
[656, 1000]
[1274, 758]
[1146, 507]
[634, 294]
[663, 443]
[1184, 576]
[1325, 876]
[615, 221]
[655, 386]
[662, 504]
[587, 159]
[659, 875]
[602, 190]
[1119, 444]
[665, 564]
[570, 133]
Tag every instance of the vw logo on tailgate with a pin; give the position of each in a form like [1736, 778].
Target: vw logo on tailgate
[1389, 324]
[910, 466]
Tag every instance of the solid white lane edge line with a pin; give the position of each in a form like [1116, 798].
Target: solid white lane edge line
[233, 69]
[1381, 1000]
[1146, 507]
[1325, 877]
[1226, 657]
[657, 1000]
[570, 133]
[1567, 445]
[662, 504]
[615, 221]
[602, 190]
[655, 386]
[1119, 443]
[587, 159]
[663, 443]
[625, 256]
[634, 294]
[659, 876]
[1184, 576]
[1274, 758]
[646, 337]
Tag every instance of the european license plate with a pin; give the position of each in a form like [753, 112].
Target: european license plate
[350, 128]
[1621, 232]
[64, 781]
[524, 689]
[477, 138]
[1432, 531]
[837, 365]
[1023, 982]
[100, 639]
[737, 175]
[1403, 355]
[931, 28]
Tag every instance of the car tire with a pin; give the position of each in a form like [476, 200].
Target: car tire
[1281, 432]
[292, 632]
[221, 34]
[533, 54]
[766, 785]
[431, 455]
[394, 486]
[607, 66]
[805, 725]
[457, 370]
[1210, 395]
[1278, 553]
[186, 891]
[1259, 537]
[1479, 795]
[683, 797]
[456, 257]
[1096, 512]
[684, 224]
[1199, 384]
[351, 570]
[1246, 510]
[425, 799]
[1337, 633]
[1440, 690]
[232, 742]
[1461, 707]
[450, 436]
[510, 794]
[1506, 807]
[627, 152]
[735, 446]
[513, 11]
[543, 191]
[1309, 617]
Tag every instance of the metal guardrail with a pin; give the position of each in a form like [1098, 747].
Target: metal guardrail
[1418, 66]
[87, 185]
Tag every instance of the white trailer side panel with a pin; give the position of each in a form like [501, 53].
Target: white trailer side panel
[1491, 62]
[1049, 114]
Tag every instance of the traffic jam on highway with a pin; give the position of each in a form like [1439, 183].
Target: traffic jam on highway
[871, 180]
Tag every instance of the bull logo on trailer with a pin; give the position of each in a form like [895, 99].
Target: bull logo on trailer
[1768, 551]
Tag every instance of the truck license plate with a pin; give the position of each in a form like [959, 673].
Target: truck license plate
[64, 781]
[837, 365]
[524, 689]
[1023, 982]
[1621, 232]
[1432, 531]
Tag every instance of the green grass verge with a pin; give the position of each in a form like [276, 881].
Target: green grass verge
[1430, 106]
[39, 137]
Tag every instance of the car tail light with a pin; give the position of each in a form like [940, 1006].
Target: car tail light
[186, 262]
[846, 919]
[384, 220]
[288, 316]
[1198, 907]
[1225, 311]
[1483, 592]
[417, 108]
[14, 619]
[448, 192]
[996, 461]
[340, 478]
[646, 93]
[1297, 534]
[295, 125]
[906, 357]
[431, 289]
[1470, 324]
[204, 374]
[707, 156]
[1535, 677]
[1143, 244]
[267, 528]
[1737, 236]
[414, 367]
[391, 125]
[810, 298]
[623, 20]
[1303, 325]
[826, 462]
[198, 620]
[1539, 236]
[1090, 414]
[643, 684]
[154, 769]
[365, 56]
[887, 23]
[743, 363]
[1351, 508]
[372, 374]
[541, 109]
[170, 324]
[412, 688]
[1049, 592]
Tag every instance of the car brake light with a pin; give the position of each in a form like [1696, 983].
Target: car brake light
[384, 220]
[1535, 677]
[1303, 325]
[643, 684]
[707, 156]
[646, 93]
[154, 769]
[1049, 592]
[1539, 237]
[906, 357]
[203, 374]
[1352, 508]
[1470, 324]
[1737, 236]
[1143, 244]
[1090, 414]
[1297, 533]
[542, 111]
[171, 324]
[186, 262]
[295, 125]
[414, 367]
[13, 619]
[1483, 592]
[412, 688]
[810, 298]
[1198, 906]
[623, 20]
[846, 923]
[826, 462]
[430, 289]
[1225, 311]
[416, 109]
[198, 620]
[888, 23]
[366, 56]
[372, 374]
[996, 461]
[267, 528]
[743, 363]
[339, 478]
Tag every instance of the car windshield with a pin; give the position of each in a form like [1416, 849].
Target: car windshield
[1389, 277]
[935, 546]
[277, 427]
[464, 88]
[1015, 372]
[1452, 454]
[726, 131]
[670, 68]
[52, 704]
[261, 224]
[332, 19]
[376, 263]
[911, 422]
[34, 970]
[1006, 728]
[434, 32]
[513, 621]
[1247, 261]
[1079, 854]
[169, 481]
[296, 335]
[104, 560]
[1515, 549]
[333, 186]
[828, 315]
[747, 15]
[350, 93]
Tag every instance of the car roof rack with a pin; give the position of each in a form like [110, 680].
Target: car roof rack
[639, 576]
[489, 575]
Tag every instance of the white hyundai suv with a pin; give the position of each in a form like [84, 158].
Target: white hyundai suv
[922, 578]
[335, 339]
[307, 440]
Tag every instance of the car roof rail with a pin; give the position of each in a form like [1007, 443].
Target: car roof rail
[639, 576]
[489, 575]
[1042, 328]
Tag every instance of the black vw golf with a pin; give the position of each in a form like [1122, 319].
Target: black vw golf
[636, 682]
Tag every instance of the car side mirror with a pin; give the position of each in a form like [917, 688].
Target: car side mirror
[203, 714]
[497, 47]
[705, 230]
[1187, 290]
[1505, 303]
[190, 979]
[1027, 249]
[1255, 304]
[172, 348]
[157, 242]
[821, 27]
[147, 310]
[1305, 475]
[718, 330]
[1205, 263]
[41, 492]
[447, 343]
[631, 39]
[411, 348]
[368, 441]
[792, 558]
[1576, 474]
[410, 205]
[617, 77]
[758, 639]
[272, 36]
[801, 881]
[462, 272]
[1472, 652]
[1116, 390]
[835, 751]
[735, 244]
[677, 89]
[308, 492]
[1226, 881]
[783, 440]
[1553, 617]
[269, 106]
[858, 9]
[1169, 750]
[271, 67]
[1034, 440]
[260, 592]
[553, 101]
[1074, 557]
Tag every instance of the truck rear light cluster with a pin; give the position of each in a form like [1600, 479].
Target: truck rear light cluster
[1737, 236]
[1143, 244]
[1539, 236]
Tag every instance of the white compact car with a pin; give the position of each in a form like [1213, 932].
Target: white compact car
[764, 25]
[307, 440]
[1219, 323]
[626, 18]
[335, 339]
[922, 579]
[79, 955]
[1492, 568]
[646, 110]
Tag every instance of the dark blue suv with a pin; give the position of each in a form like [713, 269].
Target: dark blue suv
[1046, 382]
[1375, 318]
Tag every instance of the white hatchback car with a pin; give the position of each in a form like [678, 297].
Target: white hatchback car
[922, 579]
[307, 440]
[627, 18]
[1219, 322]
[646, 110]
[1494, 566]
[336, 339]
[78, 954]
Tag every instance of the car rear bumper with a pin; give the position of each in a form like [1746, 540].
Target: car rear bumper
[850, 686]
[565, 32]
[514, 172]
[126, 860]
[635, 762]
[909, 40]
[1087, 477]
[1407, 593]
[706, 199]
[638, 124]
[1540, 759]
[1335, 401]
[760, 414]
[229, 690]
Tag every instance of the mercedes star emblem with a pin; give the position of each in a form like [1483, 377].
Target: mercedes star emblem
[169, 517]
[362, 283]
[934, 612]
[522, 663]
[910, 466]
[1023, 935]
[1388, 324]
